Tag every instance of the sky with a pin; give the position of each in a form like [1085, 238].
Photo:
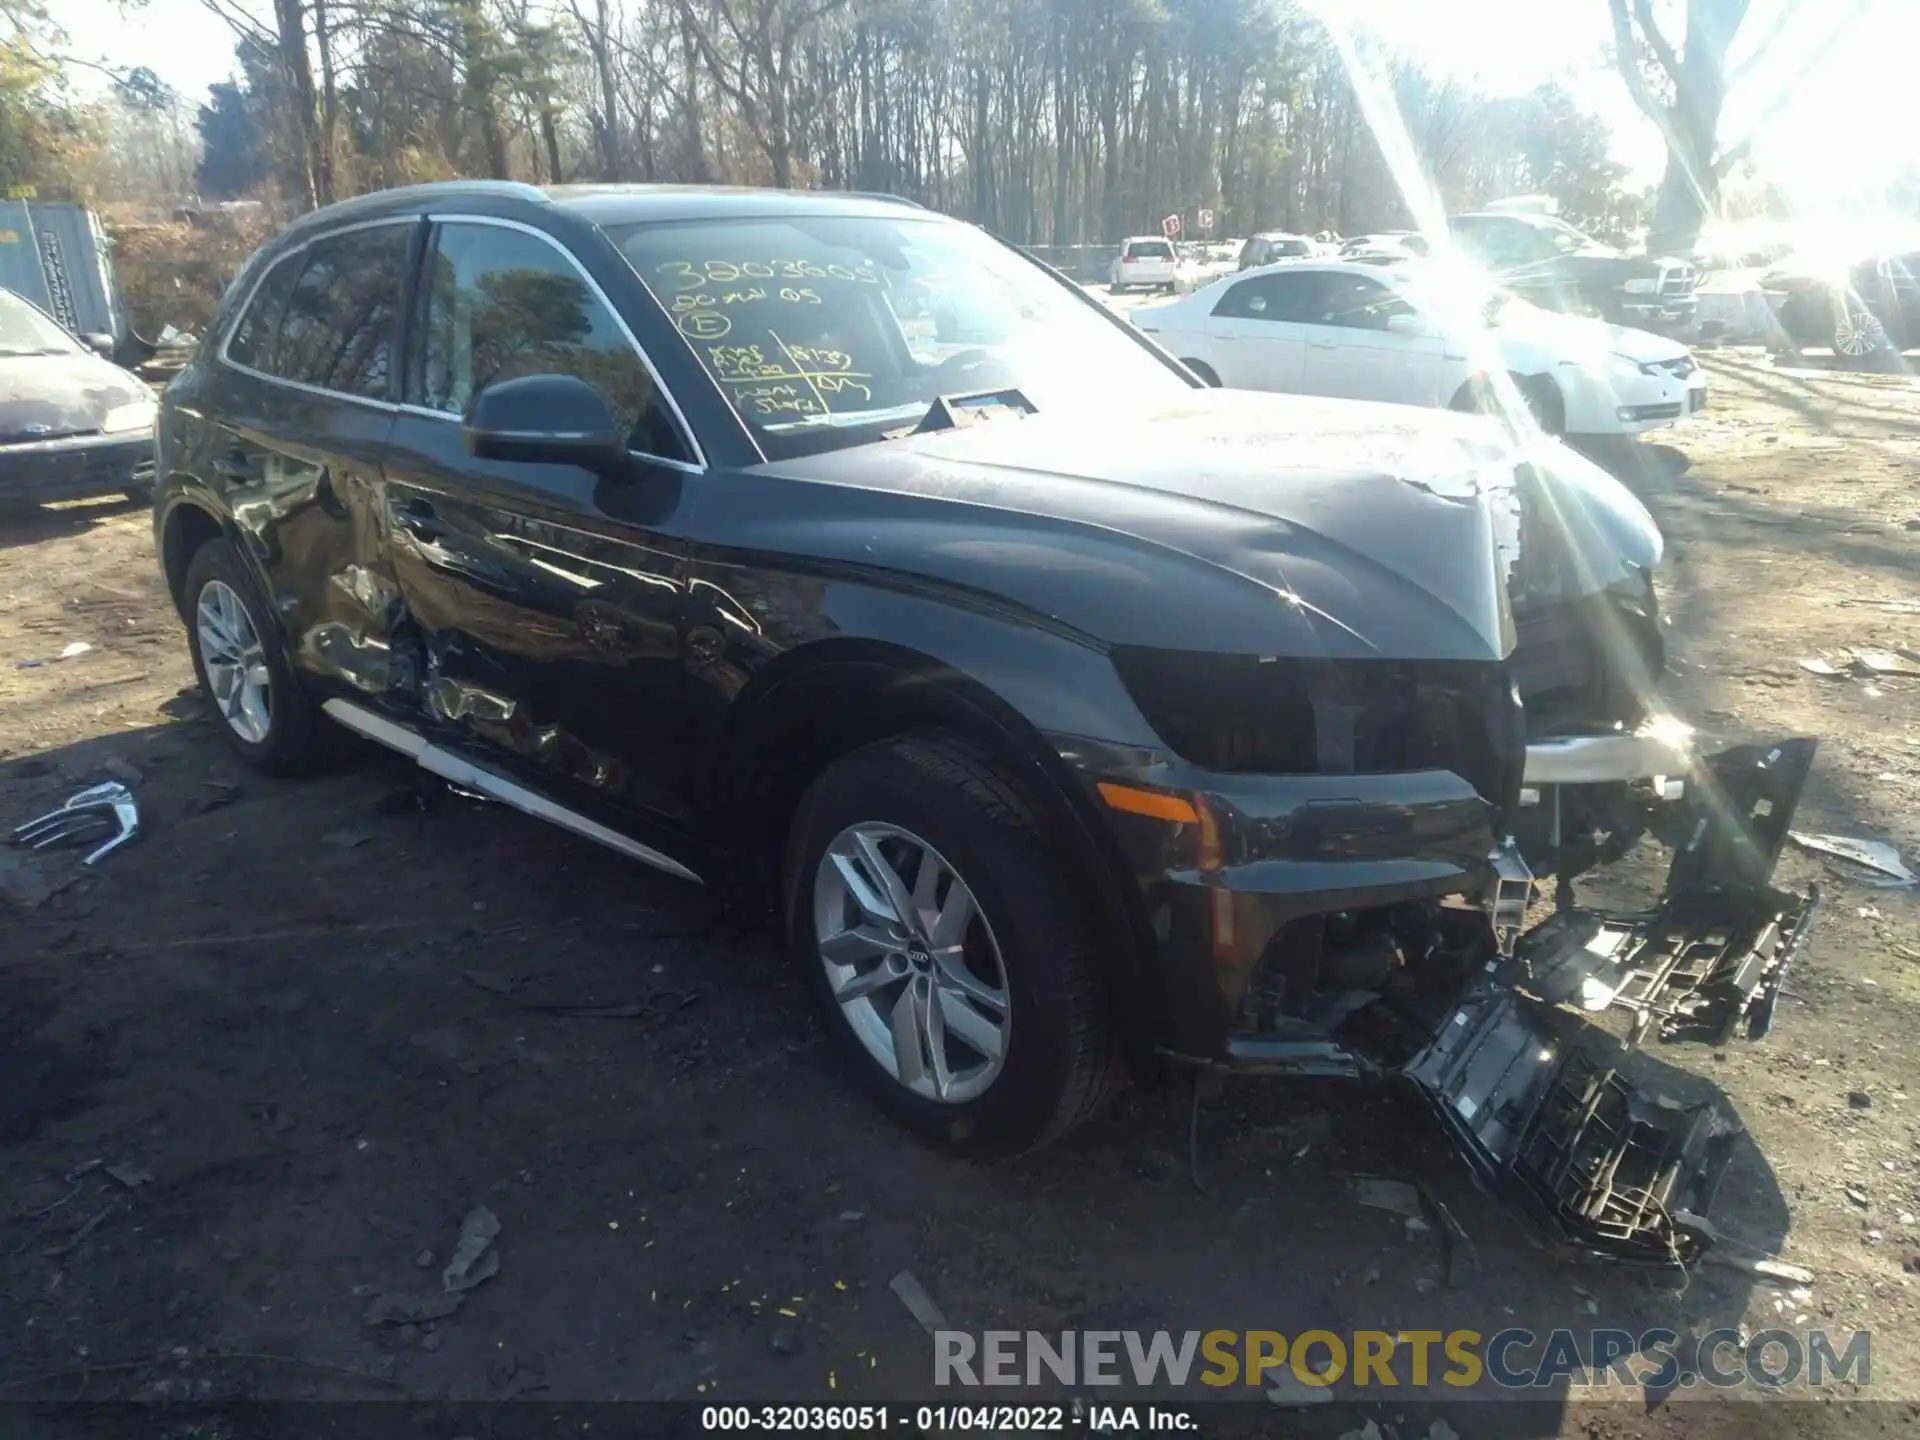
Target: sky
[1835, 134]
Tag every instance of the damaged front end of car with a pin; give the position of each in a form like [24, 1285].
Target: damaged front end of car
[1524, 1038]
[1386, 886]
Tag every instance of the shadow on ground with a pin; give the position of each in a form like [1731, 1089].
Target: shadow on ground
[328, 1019]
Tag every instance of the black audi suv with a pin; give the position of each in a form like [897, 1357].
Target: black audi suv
[1070, 718]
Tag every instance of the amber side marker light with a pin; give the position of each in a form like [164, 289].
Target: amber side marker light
[1151, 803]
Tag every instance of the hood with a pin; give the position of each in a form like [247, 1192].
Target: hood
[1347, 528]
[66, 394]
[1580, 337]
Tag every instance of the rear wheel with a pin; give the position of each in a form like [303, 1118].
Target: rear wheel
[250, 690]
[944, 945]
[1204, 371]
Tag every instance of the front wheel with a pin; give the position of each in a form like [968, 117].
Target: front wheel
[1858, 333]
[946, 948]
[261, 711]
[1203, 372]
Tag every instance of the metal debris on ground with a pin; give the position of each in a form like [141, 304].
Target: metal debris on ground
[1763, 1267]
[1873, 854]
[1368, 1431]
[1886, 662]
[1463, 1256]
[1816, 666]
[1395, 1195]
[1857, 1196]
[410, 1308]
[474, 1259]
[919, 1304]
[347, 839]
[130, 1175]
[88, 814]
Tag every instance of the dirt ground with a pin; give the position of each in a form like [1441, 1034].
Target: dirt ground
[326, 1019]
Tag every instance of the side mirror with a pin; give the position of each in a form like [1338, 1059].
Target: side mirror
[1404, 324]
[99, 343]
[544, 420]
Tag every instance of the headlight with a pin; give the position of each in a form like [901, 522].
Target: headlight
[1244, 714]
[138, 415]
[1645, 285]
[1625, 367]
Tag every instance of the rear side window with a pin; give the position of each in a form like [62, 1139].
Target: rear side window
[325, 317]
[254, 342]
[502, 303]
[1149, 250]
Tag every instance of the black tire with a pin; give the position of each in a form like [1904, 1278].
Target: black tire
[1114, 287]
[1203, 371]
[296, 736]
[1544, 401]
[1060, 1061]
[139, 494]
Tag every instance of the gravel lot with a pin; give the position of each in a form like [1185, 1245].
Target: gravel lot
[326, 1021]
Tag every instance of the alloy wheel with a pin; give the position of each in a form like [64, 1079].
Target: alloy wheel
[1859, 333]
[912, 962]
[235, 662]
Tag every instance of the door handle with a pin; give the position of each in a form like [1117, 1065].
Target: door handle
[418, 519]
[1322, 345]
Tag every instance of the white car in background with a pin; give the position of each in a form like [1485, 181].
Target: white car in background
[1418, 335]
[1149, 262]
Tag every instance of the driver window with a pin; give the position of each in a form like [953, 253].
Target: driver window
[501, 304]
[1354, 302]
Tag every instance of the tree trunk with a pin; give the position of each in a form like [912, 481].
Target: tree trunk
[1690, 188]
[292, 34]
[600, 42]
[550, 138]
[329, 106]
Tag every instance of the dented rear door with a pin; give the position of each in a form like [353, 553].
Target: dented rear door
[304, 409]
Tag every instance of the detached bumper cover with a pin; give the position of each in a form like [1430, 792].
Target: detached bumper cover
[1549, 1110]
[76, 468]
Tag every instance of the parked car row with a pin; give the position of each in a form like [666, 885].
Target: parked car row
[1069, 717]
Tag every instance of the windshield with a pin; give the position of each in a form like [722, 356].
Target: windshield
[25, 331]
[831, 331]
[1564, 237]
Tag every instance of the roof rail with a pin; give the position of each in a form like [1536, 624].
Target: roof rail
[432, 190]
